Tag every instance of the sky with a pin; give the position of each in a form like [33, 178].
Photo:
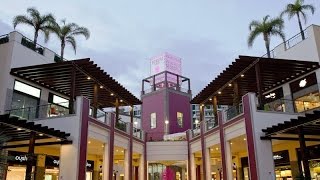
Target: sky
[207, 34]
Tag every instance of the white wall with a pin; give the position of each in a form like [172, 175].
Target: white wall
[167, 150]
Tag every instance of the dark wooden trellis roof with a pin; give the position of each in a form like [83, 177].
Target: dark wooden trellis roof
[274, 72]
[57, 77]
[309, 122]
[14, 129]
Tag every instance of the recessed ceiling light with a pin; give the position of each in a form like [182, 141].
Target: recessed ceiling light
[244, 139]
[242, 75]
[19, 129]
[229, 84]
[231, 143]
[210, 99]
[102, 145]
[122, 151]
[58, 139]
[111, 94]
[101, 87]
[89, 142]
[217, 149]
[88, 78]
[219, 92]
[211, 149]
[40, 134]
[121, 100]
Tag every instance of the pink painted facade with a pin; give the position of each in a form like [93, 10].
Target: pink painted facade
[179, 103]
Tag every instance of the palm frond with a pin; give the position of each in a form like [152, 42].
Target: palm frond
[72, 41]
[280, 33]
[308, 7]
[81, 31]
[276, 23]
[34, 13]
[21, 20]
[253, 35]
[254, 24]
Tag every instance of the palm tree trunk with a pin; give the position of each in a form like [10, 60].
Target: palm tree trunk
[300, 26]
[267, 44]
[62, 50]
[35, 39]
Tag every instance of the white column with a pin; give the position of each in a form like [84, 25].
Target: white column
[69, 161]
[141, 168]
[228, 157]
[105, 163]
[126, 165]
[193, 168]
[208, 164]
[183, 176]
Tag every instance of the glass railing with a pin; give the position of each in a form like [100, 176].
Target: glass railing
[4, 38]
[210, 124]
[233, 111]
[29, 44]
[123, 126]
[195, 132]
[37, 112]
[138, 133]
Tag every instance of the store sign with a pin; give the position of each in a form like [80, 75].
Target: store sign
[21, 158]
[281, 158]
[303, 83]
[271, 95]
[277, 157]
[55, 161]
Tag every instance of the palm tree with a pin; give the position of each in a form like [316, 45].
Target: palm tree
[299, 9]
[268, 27]
[37, 21]
[67, 32]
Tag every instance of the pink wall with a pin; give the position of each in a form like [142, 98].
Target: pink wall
[153, 103]
[179, 103]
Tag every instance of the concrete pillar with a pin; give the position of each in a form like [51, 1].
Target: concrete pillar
[105, 163]
[15, 36]
[289, 104]
[40, 167]
[141, 168]
[127, 167]
[69, 161]
[208, 163]
[228, 157]
[193, 167]
[183, 174]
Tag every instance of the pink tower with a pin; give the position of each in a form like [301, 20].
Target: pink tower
[165, 98]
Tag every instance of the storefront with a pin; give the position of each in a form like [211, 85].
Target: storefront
[281, 162]
[305, 93]
[17, 166]
[274, 101]
[314, 161]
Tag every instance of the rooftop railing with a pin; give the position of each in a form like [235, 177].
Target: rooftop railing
[195, 132]
[138, 133]
[210, 124]
[101, 116]
[39, 112]
[4, 38]
[123, 126]
[30, 44]
[295, 40]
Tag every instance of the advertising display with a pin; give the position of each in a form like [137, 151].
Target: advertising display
[165, 62]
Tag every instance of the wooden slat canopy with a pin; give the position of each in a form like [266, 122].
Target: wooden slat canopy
[309, 122]
[15, 129]
[273, 72]
[58, 77]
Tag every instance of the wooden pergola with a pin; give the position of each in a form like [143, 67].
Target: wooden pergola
[251, 74]
[79, 78]
[14, 130]
[297, 130]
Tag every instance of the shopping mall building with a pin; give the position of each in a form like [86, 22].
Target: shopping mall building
[60, 119]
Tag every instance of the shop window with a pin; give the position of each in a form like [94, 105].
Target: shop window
[58, 106]
[307, 102]
[153, 120]
[25, 101]
[180, 119]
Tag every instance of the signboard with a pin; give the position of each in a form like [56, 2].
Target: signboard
[165, 62]
[54, 161]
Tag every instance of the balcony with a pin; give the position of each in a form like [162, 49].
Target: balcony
[166, 80]
[233, 111]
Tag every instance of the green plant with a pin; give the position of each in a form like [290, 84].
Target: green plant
[267, 27]
[66, 33]
[298, 9]
[39, 22]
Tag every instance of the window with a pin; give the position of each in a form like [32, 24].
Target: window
[59, 106]
[180, 119]
[58, 100]
[153, 120]
[27, 89]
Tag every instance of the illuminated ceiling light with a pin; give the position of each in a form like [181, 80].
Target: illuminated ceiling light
[101, 87]
[122, 151]
[111, 94]
[88, 78]
[117, 150]
[102, 145]
[121, 100]
[244, 139]
[219, 92]
[308, 68]
[210, 99]
[211, 149]
[89, 142]
[58, 139]
[242, 75]
[19, 129]
[135, 122]
[229, 84]
[40, 134]
[166, 122]
[231, 143]
[217, 149]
